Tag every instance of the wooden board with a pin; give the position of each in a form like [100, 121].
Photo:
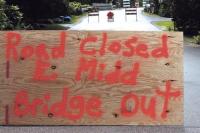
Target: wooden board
[153, 97]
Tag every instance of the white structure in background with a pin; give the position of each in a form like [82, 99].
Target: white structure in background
[126, 3]
[145, 3]
[103, 6]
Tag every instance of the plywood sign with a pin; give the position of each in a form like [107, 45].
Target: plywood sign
[91, 78]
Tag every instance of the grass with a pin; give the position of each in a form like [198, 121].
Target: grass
[169, 26]
[76, 19]
[164, 25]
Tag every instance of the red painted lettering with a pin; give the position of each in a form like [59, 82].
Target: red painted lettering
[13, 40]
[93, 107]
[77, 104]
[141, 50]
[27, 52]
[59, 52]
[115, 47]
[129, 44]
[162, 51]
[113, 77]
[72, 108]
[41, 52]
[21, 106]
[96, 71]
[129, 112]
[100, 75]
[103, 46]
[129, 78]
[167, 94]
[85, 41]
[151, 109]
[59, 108]
[89, 66]
[40, 72]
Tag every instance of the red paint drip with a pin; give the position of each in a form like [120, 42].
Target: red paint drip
[7, 115]
[7, 69]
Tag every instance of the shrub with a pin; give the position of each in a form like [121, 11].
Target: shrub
[141, 3]
[197, 39]
[162, 11]
[75, 8]
[10, 16]
[186, 16]
[165, 10]
[34, 10]
[156, 6]
[3, 17]
[85, 6]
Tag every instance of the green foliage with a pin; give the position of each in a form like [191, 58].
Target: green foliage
[187, 16]
[3, 17]
[10, 16]
[165, 10]
[75, 8]
[13, 14]
[82, 1]
[89, 2]
[197, 39]
[75, 5]
[140, 3]
[156, 6]
[185, 13]
[85, 6]
[165, 25]
[35, 10]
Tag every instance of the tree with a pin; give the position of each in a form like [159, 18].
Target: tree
[186, 16]
[89, 1]
[3, 17]
[166, 8]
[141, 3]
[156, 6]
[10, 16]
[41, 9]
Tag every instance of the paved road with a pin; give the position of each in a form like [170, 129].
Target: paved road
[120, 24]
[192, 86]
[152, 18]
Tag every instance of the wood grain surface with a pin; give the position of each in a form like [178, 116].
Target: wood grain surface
[153, 73]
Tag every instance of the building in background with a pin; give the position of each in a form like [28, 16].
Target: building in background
[129, 3]
[120, 3]
[145, 2]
